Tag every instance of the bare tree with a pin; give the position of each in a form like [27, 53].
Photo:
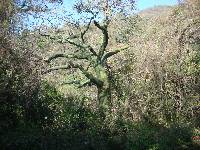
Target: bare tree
[95, 58]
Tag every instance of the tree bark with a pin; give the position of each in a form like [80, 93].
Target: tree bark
[104, 100]
[104, 91]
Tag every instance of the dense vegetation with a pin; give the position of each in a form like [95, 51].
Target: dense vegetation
[136, 86]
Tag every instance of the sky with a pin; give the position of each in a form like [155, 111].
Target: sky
[68, 4]
[141, 4]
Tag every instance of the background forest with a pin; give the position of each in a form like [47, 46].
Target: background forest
[108, 78]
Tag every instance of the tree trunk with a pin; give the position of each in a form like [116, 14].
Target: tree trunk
[104, 96]
[104, 91]
[104, 100]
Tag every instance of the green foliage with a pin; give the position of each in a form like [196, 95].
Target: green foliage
[64, 122]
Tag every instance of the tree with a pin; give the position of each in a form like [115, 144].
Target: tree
[97, 70]
[19, 78]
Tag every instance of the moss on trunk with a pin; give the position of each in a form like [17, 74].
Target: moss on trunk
[104, 91]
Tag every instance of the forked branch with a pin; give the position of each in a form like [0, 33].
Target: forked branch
[109, 54]
[73, 43]
[87, 74]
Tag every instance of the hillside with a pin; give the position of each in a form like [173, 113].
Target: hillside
[156, 11]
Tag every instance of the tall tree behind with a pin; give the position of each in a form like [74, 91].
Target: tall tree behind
[18, 75]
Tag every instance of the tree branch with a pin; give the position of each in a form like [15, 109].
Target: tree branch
[105, 37]
[57, 38]
[87, 28]
[73, 43]
[87, 83]
[92, 50]
[31, 8]
[82, 46]
[88, 75]
[109, 54]
[69, 40]
[65, 56]
[91, 77]
[65, 67]
[72, 82]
